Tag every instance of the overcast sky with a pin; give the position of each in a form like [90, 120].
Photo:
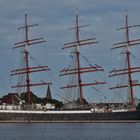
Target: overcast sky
[54, 17]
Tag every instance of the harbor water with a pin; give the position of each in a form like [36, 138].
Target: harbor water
[70, 131]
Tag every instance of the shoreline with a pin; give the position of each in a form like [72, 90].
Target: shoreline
[93, 121]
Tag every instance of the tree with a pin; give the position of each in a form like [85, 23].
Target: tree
[138, 106]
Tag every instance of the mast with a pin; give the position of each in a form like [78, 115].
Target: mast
[78, 70]
[129, 70]
[78, 60]
[27, 69]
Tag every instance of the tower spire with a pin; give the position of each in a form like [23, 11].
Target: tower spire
[48, 94]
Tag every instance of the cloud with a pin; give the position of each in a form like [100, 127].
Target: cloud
[54, 18]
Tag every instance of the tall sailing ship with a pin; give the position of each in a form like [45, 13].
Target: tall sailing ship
[77, 110]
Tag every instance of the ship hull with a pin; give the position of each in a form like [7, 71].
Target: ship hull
[33, 116]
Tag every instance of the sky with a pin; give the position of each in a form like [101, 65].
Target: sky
[54, 17]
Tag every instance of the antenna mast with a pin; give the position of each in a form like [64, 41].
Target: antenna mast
[129, 70]
[27, 69]
[80, 70]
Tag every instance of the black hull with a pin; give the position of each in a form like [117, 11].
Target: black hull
[71, 117]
